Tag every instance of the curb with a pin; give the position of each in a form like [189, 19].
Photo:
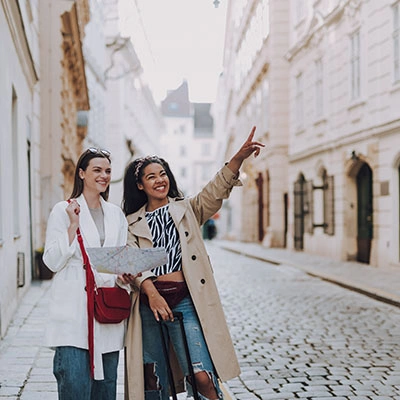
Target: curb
[374, 293]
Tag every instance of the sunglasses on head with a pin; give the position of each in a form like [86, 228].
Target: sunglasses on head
[95, 150]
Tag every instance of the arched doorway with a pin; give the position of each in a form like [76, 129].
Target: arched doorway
[364, 213]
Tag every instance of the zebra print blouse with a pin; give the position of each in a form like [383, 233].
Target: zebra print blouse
[165, 234]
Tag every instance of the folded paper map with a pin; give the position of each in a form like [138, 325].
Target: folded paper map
[125, 259]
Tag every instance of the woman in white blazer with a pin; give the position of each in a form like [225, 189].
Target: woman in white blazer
[101, 224]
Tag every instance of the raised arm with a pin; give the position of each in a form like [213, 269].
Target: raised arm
[249, 147]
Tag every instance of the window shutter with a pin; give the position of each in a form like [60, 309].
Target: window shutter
[309, 207]
[329, 206]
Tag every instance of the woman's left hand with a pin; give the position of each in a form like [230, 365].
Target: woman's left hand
[129, 279]
[249, 147]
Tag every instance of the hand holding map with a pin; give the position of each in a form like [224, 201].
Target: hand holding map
[125, 260]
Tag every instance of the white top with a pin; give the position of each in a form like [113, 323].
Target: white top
[67, 314]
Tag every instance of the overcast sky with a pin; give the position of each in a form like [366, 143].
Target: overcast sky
[186, 38]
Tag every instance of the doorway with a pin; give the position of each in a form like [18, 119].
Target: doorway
[364, 213]
[260, 190]
[299, 194]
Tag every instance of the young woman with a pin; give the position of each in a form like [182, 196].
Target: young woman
[101, 224]
[159, 216]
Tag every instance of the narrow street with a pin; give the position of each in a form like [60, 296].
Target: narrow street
[300, 337]
[296, 336]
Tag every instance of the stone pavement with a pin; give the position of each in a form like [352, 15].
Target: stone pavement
[380, 283]
[26, 366]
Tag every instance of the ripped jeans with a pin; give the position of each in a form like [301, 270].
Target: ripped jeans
[153, 352]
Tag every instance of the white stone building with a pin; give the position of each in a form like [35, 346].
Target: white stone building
[19, 113]
[345, 129]
[253, 90]
[133, 121]
[332, 69]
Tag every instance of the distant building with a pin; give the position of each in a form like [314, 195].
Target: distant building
[189, 144]
[176, 143]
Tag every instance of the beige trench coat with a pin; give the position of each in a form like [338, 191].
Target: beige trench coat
[188, 215]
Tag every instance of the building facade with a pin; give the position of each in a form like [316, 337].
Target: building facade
[133, 121]
[345, 129]
[44, 88]
[19, 111]
[328, 181]
[253, 90]
[176, 143]
[188, 144]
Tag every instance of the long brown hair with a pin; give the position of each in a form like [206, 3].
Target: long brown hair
[82, 164]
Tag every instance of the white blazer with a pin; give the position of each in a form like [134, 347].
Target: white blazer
[67, 315]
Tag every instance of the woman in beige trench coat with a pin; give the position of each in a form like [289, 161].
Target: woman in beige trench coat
[151, 195]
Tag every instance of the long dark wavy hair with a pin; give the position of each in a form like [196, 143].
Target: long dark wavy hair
[134, 198]
[83, 163]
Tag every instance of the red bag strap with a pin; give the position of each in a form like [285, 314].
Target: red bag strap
[90, 289]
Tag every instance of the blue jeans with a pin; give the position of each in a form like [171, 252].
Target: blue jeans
[153, 352]
[71, 369]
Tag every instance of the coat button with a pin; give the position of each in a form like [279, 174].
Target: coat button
[203, 281]
[193, 257]
[186, 233]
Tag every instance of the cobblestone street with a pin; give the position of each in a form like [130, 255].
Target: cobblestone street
[300, 337]
[296, 335]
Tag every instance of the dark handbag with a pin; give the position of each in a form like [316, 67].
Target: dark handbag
[111, 305]
[173, 292]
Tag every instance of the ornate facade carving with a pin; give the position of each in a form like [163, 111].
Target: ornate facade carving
[74, 92]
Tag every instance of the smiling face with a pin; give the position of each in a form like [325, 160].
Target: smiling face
[155, 184]
[97, 175]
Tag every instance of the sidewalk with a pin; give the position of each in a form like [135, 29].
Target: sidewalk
[380, 283]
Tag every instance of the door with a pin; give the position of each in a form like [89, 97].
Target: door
[260, 183]
[299, 193]
[364, 215]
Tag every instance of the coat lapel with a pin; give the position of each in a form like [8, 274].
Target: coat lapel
[177, 209]
[138, 225]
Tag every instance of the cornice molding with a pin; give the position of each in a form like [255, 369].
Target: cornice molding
[318, 23]
[18, 34]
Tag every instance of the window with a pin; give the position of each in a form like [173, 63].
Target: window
[205, 149]
[15, 169]
[182, 151]
[265, 19]
[265, 105]
[319, 89]
[396, 41]
[1, 210]
[355, 65]
[299, 10]
[206, 172]
[299, 101]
